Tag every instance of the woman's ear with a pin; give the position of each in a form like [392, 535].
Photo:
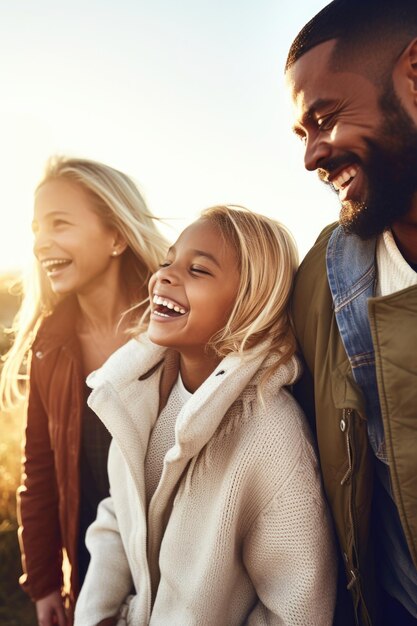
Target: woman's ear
[405, 76]
[119, 244]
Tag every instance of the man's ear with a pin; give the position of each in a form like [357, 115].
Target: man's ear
[405, 74]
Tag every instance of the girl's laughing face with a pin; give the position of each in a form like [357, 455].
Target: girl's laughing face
[193, 292]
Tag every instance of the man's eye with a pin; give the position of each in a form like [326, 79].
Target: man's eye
[326, 123]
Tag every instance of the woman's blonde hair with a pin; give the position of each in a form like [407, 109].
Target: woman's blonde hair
[267, 261]
[120, 205]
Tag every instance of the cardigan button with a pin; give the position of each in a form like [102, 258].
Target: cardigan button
[39, 354]
[342, 425]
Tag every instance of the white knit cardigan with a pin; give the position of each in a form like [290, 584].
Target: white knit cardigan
[237, 531]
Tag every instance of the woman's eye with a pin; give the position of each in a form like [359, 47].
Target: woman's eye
[58, 223]
[165, 264]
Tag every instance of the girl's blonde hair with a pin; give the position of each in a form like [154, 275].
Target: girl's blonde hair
[267, 261]
[120, 205]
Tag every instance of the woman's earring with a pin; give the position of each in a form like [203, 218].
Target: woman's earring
[114, 253]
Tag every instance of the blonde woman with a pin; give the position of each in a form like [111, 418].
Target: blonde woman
[96, 245]
[216, 514]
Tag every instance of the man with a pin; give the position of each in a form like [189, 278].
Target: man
[352, 73]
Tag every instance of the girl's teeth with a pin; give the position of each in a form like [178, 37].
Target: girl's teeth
[170, 305]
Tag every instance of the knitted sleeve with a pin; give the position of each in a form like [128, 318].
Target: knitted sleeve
[289, 552]
[108, 581]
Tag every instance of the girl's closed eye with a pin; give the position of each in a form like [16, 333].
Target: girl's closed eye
[195, 269]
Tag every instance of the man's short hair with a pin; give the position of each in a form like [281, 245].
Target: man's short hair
[370, 34]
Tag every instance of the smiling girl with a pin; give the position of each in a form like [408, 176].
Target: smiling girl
[96, 245]
[216, 515]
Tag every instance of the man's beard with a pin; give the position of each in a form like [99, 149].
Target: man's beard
[390, 170]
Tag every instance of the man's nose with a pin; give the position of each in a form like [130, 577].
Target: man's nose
[317, 150]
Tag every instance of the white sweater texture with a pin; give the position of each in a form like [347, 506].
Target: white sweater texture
[394, 273]
[237, 531]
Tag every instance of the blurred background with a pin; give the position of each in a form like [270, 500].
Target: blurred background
[185, 96]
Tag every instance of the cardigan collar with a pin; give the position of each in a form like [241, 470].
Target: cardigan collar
[141, 364]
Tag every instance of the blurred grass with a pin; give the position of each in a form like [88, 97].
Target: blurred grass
[16, 609]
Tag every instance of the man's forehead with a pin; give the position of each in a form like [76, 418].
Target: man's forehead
[310, 67]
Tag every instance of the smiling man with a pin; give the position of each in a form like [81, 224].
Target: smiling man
[352, 74]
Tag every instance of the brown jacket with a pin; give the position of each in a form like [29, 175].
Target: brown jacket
[48, 500]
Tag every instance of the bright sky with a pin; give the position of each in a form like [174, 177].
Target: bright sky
[186, 96]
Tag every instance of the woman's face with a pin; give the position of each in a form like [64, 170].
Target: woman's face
[193, 293]
[74, 247]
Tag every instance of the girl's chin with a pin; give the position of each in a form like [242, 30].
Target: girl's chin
[158, 340]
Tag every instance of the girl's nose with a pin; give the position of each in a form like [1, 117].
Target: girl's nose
[167, 275]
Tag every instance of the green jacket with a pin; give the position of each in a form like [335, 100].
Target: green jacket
[335, 406]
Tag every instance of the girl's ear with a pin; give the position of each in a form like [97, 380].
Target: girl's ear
[405, 75]
[119, 244]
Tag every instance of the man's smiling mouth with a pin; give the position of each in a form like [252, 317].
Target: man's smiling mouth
[344, 178]
[165, 307]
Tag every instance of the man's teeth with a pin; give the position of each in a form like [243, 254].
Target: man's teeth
[344, 177]
[169, 304]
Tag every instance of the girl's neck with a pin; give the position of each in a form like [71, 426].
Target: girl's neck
[195, 369]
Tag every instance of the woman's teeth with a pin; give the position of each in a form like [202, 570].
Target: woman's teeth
[53, 265]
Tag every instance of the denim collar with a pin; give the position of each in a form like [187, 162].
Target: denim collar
[351, 272]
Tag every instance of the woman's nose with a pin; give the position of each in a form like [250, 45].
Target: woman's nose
[42, 242]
